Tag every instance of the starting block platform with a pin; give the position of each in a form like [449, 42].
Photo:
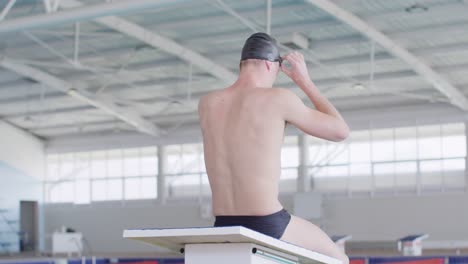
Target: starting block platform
[227, 245]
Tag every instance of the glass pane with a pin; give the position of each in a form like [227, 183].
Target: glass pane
[331, 178]
[406, 143]
[360, 146]
[360, 152]
[132, 188]
[114, 189]
[188, 179]
[430, 142]
[338, 153]
[190, 162]
[132, 162]
[406, 174]
[83, 192]
[148, 188]
[66, 192]
[289, 173]
[382, 145]
[337, 171]
[53, 171]
[384, 168]
[431, 173]
[152, 154]
[406, 149]
[317, 154]
[406, 167]
[99, 191]
[383, 150]
[430, 148]
[98, 164]
[290, 157]
[319, 172]
[114, 163]
[149, 165]
[67, 168]
[431, 166]
[454, 146]
[384, 175]
[174, 159]
[363, 169]
[83, 172]
[54, 192]
[454, 165]
[184, 185]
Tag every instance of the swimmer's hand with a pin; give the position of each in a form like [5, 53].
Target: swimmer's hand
[298, 71]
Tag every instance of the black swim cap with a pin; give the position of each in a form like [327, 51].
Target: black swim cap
[262, 47]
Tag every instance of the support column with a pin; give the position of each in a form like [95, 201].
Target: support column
[162, 164]
[466, 157]
[303, 179]
[268, 17]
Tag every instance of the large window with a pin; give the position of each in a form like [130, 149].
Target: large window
[406, 159]
[115, 174]
[422, 158]
[186, 175]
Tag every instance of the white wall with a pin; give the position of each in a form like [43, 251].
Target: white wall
[22, 150]
[14, 187]
[22, 163]
[443, 216]
[102, 223]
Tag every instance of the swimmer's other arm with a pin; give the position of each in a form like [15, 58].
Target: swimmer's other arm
[324, 121]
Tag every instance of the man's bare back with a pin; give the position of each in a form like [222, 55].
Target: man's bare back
[243, 130]
[243, 133]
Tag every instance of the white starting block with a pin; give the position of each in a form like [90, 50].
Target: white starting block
[227, 245]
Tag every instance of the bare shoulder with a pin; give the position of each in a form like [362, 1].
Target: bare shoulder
[282, 96]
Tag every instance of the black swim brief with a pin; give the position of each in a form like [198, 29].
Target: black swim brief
[272, 225]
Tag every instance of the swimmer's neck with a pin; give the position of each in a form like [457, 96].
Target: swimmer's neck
[253, 79]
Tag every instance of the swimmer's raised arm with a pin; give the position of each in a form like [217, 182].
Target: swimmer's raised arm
[324, 122]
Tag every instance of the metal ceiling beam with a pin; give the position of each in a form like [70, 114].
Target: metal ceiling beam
[169, 60]
[343, 102]
[305, 25]
[160, 42]
[328, 45]
[363, 119]
[421, 94]
[82, 13]
[435, 79]
[104, 103]
[164, 98]
[7, 9]
[323, 82]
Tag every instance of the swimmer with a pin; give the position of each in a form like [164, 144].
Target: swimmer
[243, 128]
